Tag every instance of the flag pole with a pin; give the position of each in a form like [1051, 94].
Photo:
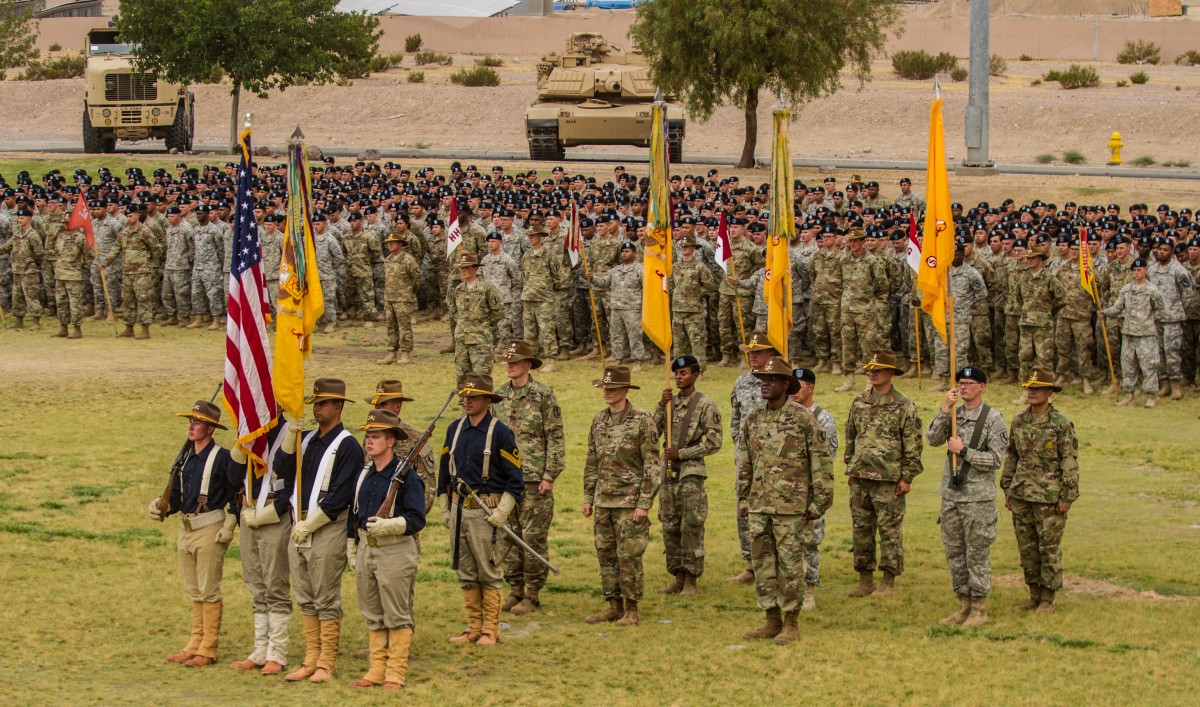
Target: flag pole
[953, 370]
[737, 302]
[112, 316]
[587, 274]
[917, 332]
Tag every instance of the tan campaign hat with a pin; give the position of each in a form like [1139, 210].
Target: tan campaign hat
[328, 389]
[520, 350]
[477, 384]
[384, 420]
[388, 390]
[883, 359]
[1041, 378]
[776, 366]
[204, 411]
[615, 377]
[757, 342]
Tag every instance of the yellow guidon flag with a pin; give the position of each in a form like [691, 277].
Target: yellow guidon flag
[937, 244]
[656, 255]
[301, 301]
[777, 283]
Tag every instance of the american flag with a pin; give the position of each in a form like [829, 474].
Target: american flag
[249, 395]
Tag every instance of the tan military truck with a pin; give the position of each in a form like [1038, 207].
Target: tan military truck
[595, 94]
[122, 104]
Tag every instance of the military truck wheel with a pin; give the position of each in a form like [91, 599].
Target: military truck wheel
[177, 134]
[92, 142]
[674, 146]
[544, 145]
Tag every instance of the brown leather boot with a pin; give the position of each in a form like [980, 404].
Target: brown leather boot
[865, 586]
[327, 661]
[195, 323]
[62, 332]
[396, 669]
[887, 585]
[529, 603]
[128, 333]
[1046, 604]
[387, 360]
[978, 615]
[1035, 598]
[615, 610]
[1176, 388]
[964, 609]
[206, 654]
[810, 599]
[143, 332]
[378, 647]
[312, 650]
[790, 631]
[76, 333]
[631, 617]
[770, 629]
[674, 587]
[491, 618]
[689, 585]
[746, 576]
[846, 386]
[473, 601]
[515, 595]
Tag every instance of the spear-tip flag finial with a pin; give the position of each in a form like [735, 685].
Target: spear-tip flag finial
[297, 135]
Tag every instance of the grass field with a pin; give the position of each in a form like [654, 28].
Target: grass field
[92, 598]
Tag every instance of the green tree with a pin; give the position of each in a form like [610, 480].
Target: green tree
[18, 32]
[713, 52]
[259, 44]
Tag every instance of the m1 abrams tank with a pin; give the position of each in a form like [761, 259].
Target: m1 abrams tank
[594, 94]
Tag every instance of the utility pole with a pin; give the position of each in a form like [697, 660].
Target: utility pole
[977, 96]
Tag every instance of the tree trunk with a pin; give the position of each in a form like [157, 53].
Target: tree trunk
[751, 111]
[234, 121]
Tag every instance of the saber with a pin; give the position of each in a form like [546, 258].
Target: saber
[507, 530]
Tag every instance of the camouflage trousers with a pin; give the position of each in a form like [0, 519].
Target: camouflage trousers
[743, 523]
[968, 531]
[399, 326]
[1000, 357]
[137, 292]
[778, 547]
[530, 520]
[273, 295]
[1139, 354]
[812, 552]
[206, 293]
[1074, 344]
[1191, 348]
[712, 304]
[798, 339]
[900, 313]
[473, 358]
[731, 323]
[48, 286]
[625, 334]
[69, 300]
[436, 282]
[620, 544]
[5, 282]
[329, 298]
[689, 335]
[1012, 341]
[683, 510]
[1037, 348]
[827, 332]
[378, 283]
[539, 327]
[343, 288]
[506, 330]
[581, 318]
[981, 342]
[861, 332]
[941, 349]
[563, 323]
[1170, 341]
[875, 508]
[1039, 529]
[361, 295]
[112, 275]
[27, 295]
[177, 293]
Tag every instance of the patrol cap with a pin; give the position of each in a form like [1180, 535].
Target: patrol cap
[971, 373]
[688, 361]
[805, 375]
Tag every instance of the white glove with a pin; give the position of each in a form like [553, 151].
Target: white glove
[225, 534]
[267, 516]
[444, 505]
[289, 440]
[155, 511]
[249, 517]
[308, 526]
[378, 527]
[238, 456]
[351, 553]
[501, 512]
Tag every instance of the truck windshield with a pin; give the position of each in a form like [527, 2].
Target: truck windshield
[110, 48]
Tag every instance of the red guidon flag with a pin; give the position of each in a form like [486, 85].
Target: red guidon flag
[723, 253]
[82, 218]
[454, 234]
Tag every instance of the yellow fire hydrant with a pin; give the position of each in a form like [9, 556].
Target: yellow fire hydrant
[1115, 144]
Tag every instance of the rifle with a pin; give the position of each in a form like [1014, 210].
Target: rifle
[164, 501]
[385, 509]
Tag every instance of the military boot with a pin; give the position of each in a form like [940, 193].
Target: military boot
[547, 367]
[674, 587]
[729, 361]
[529, 603]
[564, 355]
[1176, 388]
[328, 328]
[327, 660]
[1061, 382]
[1035, 598]
[846, 386]
[18, 323]
[171, 321]
[1046, 605]
[473, 601]
[1020, 399]
[964, 609]
[195, 323]
[591, 355]
[448, 348]
[631, 617]
[218, 323]
[615, 610]
[822, 366]
[1087, 386]
[1127, 400]
[36, 325]
[770, 629]
[62, 332]
[143, 332]
[387, 360]
[404, 359]
[89, 310]
[810, 599]
[746, 576]
[1151, 401]
[865, 586]
[128, 333]
[887, 585]
[99, 315]
[689, 585]
[76, 333]
[491, 618]
[514, 597]
[942, 385]
[978, 615]
[790, 631]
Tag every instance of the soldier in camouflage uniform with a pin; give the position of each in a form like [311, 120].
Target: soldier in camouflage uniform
[1015, 268]
[604, 251]
[389, 395]
[1139, 304]
[1191, 325]
[968, 514]
[530, 409]
[1175, 283]
[402, 276]
[1040, 482]
[812, 553]
[691, 282]
[179, 245]
[208, 269]
[437, 267]
[141, 252]
[105, 230]
[1116, 274]
[1038, 298]
[71, 268]
[542, 270]
[5, 261]
[53, 226]
[981, 320]
[1073, 340]
[498, 268]
[785, 480]
[25, 249]
[745, 258]
[362, 252]
[476, 307]
[883, 456]
[683, 509]
[330, 260]
[745, 398]
[825, 273]
[270, 239]
[624, 285]
[864, 285]
[620, 479]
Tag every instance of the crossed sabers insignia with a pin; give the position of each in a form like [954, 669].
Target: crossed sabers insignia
[608, 376]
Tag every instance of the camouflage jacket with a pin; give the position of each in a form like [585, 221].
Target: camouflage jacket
[477, 308]
[180, 249]
[53, 226]
[1113, 277]
[992, 282]
[800, 256]
[141, 250]
[1041, 465]
[543, 272]
[1077, 303]
[825, 419]
[503, 272]
[25, 249]
[980, 483]
[361, 252]
[1174, 281]
[208, 249]
[74, 258]
[330, 257]
[864, 283]
[1141, 305]
[401, 276]
[968, 289]
[533, 414]
[745, 398]
[784, 466]
[426, 466]
[1039, 297]
[105, 230]
[1191, 304]
[624, 285]
[691, 281]
[271, 245]
[745, 258]
[623, 460]
[603, 252]
[702, 438]
[474, 241]
[883, 437]
[825, 272]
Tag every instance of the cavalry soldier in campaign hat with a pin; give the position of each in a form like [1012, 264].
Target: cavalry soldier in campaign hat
[201, 492]
[746, 398]
[480, 455]
[389, 395]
